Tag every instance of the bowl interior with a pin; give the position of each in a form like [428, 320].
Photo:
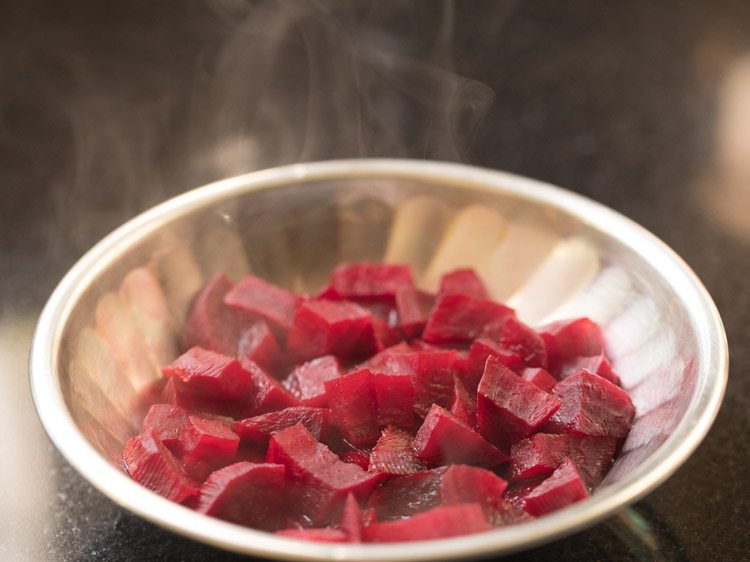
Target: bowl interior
[548, 253]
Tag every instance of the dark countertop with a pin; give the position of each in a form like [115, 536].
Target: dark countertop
[108, 108]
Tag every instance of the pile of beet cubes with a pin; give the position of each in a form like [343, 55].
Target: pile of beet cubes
[375, 412]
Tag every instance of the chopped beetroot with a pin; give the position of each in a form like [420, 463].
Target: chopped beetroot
[567, 339]
[385, 334]
[510, 408]
[258, 430]
[323, 479]
[592, 456]
[539, 377]
[461, 318]
[413, 309]
[433, 379]
[480, 350]
[444, 439]
[266, 394]
[351, 519]
[436, 523]
[470, 484]
[519, 339]
[358, 457]
[504, 513]
[394, 454]
[152, 465]
[353, 407]
[464, 405]
[563, 488]
[166, 420]
[538, 455]
[211, 324]
[326, 327]
[368, 281]
[596, 364]
[394, 399]
[259, 299]
[245, 493]
[314, 535]
[258, 344]
[206, 443]
[307, 381]
[591, 405]
[463, 282]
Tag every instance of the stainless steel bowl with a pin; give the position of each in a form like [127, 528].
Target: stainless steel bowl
[114, 317]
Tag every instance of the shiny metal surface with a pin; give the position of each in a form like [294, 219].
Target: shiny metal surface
[113, 318]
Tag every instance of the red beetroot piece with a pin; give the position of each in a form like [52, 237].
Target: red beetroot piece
[258, 344]
[433, 379]
[591, 405]
[245, 493]
[539, 377]
[437, 523]
[358, 457]
[258, 430]
[563, 488]
[510, 408]
[266, 394]
[166, 420]
[394, 454]
[567, 339]
[444, 439]
[211, 324]
[326, 327]
[351, 519]
[519, 339]
[480, 350]
[256, 298]
[505, 513]
[463, 282]
[368, 281]
[314, 535]
[307, 381]
[353, 407]
[151, 464]
[461, 319]
[208, 381]
[323, 480]
[413, 309]
[394, 399]
[464, 405]
[471, 484]
[205, 444]
[596, 364]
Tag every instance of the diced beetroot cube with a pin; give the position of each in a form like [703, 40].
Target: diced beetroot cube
[353, 407]
[259, 429]
[385, 335]
[245, 493]
[463, 282]
[257, 298]
[208, 381]
[516, 492]
[567, 339]
[444, 439]
[470, 484]
[483, 348]
[563, 488]
[505, 513]
[592, 456]
[152, 465]
[351, 519]
[596, 364]
[394, 454]
[314, 535]
[388, 360]
[258, 344]
[307, 381]
[539, 455]
[520, 339]
[464, 405]
[539, 377]
[437, 523]
[433, 379]
[324, 479]
[205, 444]
[327, 327]
[591, 405]
[413, 309]
[369, 281]
[394, 399]
[460, 318]
[510, 408]
[211, 324]
[166, 420]
[360, 458]
[266, 394]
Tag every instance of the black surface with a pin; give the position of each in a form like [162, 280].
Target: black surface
[109, 107]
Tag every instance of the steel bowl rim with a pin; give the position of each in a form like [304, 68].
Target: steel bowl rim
[62, 430]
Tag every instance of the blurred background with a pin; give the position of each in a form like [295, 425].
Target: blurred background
[107, 108]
